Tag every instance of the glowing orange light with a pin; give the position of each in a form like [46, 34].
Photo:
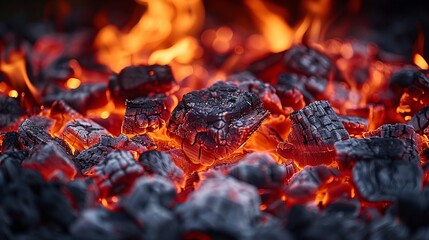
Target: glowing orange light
[13, 93]
[72, 83]
[3, 87]
[263, 207]
[420, 61]
[105, 114]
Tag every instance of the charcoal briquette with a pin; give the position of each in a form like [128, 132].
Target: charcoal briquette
[307, 61]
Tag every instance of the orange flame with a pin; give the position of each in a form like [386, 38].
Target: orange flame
[420, 61]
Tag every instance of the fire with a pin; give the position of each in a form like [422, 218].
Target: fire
[72, 83]
[420, 61]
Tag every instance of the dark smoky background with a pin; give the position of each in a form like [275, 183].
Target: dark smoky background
[394, 25]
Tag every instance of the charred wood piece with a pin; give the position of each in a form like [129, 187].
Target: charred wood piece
[290, 96]
[306, 61]
[116, 173]
[259, 170]
[144, 115]
[385, 180]
[82, 133]
[90, 157]
[402, 79]
[10, 142]
[267, 93]
[221, 205]
[81, 98]
[315, 129]
[400, 131]
[50, 159]
[160, 163]
[354, 150]
[420, 120]
[12, 155]
[140, 81]
[415, 96]
[150, 204]
[10, 112]
[212, 123]
[304, 184]
[354, 125]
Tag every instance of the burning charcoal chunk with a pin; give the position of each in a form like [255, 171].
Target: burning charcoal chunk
[116, 173]
[144, 115]
[139, 143]
[139, 81]
[212, 123]
[267, 93]
[403, 79]
[150, 205]
[420, 120]
[304, 184]
[315, 129]
[223, 206]
[293, 81]
[413, 209]
[10, 111]
[384, 180]
[82, 133]
[303, 60]
[401, 131]
[43, 122]
[354, 150]
[161, 164]
[10, 142]
[387, 228]
[90, 157]
[354, 125]
[290, 96]
[81, 98]
[100, 223]
[31, 135]
[51, 159]
[259, 170]
[415, 97]
[344, 206]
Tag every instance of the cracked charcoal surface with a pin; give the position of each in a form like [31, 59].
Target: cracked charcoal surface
[354, 150]
[10, 142]
[420, 120]
[400, 131]
[290, 96]
[212, 123]
[160, 163]
[267, 93]
[414, 97]
[139, 81]
[315, 129]
[81, 98]
[354, 125]
[303, 60]
[116, 173]
[49, 159]
[10, 111]
[259, 170]
[82, 133]
[145, 115]
[222, 206]
[385, 180]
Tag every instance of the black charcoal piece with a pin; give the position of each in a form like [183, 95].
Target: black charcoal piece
[81, 134]
[160, 163]
[90, 157]
[221, 206]
[150, 204]
[310, 62]
[212, 123]
[10, 142]
[399, 131]
[266, 93]
[305, 183]
[413, 209]
[315, 129]
[290, 96]
[354, 125]
[420, 120]
[403, 79]
[116, 173]
[10, 111]
[15, 156]
[139, 143]
[145, 115]
[100, 223]
[353, 150]
[259, 170]
[140, 81]
[415, 96]
[50, 159]
[385, 180]
[387, 228]
[86, 96]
